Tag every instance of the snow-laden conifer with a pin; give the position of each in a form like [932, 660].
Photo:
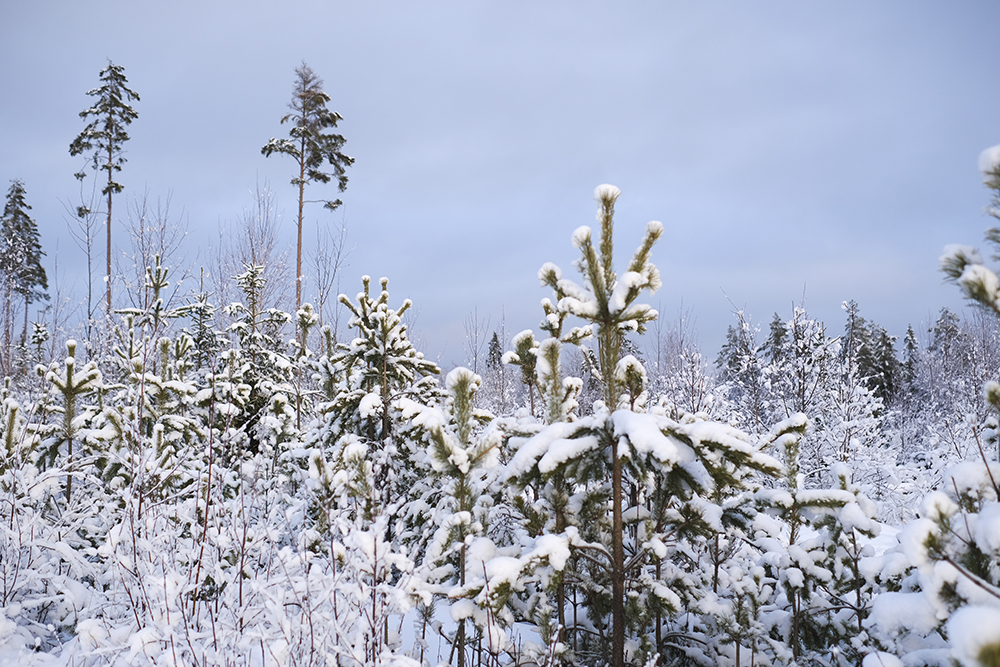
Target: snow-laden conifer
[367, 381]
[21, 270]
[666, 481]
[460, 555]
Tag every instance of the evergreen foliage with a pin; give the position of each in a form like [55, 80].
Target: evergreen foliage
[197, 496]
[20, 263]
[368, 383]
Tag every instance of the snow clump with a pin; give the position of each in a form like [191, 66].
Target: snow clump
[956, 257]
[989, 162]
[607, 193]
[975, 635]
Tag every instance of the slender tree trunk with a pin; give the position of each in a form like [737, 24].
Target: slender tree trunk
[107, 276]
[460, 638]
[716, 558]
[659, 620]
[299, 334]
[24, 333]
[795, 626]
[561, 586]
[90, 283]
[608, 347]
[68, 417]
[7, 327]
[298, 251]
[618, 563]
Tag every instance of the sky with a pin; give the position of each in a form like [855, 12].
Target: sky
[796, 153]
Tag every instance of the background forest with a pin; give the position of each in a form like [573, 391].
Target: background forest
[223, 475]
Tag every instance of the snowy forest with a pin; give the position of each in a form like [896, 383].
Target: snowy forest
[229, 476]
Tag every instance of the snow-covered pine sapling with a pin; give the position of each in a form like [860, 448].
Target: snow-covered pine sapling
[324, 370]
[71, 385]
[674, 473]
[264, 365]
[19, 442]
[154, 395]
[561, 394]
[525, 356]
[848, 532]
[257, 327]
[183, 346]
[540, 366]
[305, 318]
[460, 458]
[156, 282]
[605, 300]
[631, 376]
[150, 320]
[223, 404]
[369, 378]
[609, 304]
[276, 430]
[39, 337]
[794, 554]
[201, 313]
[12, 428]
[178, 430]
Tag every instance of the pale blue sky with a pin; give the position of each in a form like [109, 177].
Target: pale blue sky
[786, 146]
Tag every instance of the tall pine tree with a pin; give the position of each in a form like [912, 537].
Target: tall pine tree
[103, 140]
[313, 146]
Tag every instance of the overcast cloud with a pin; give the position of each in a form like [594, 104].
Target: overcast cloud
[825, 149]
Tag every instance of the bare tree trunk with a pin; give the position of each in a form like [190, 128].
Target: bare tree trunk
[24, 334]
[298, 251]
[609, 345]
[6, 327]
[618, 563]
[460, 637]
[107, 276]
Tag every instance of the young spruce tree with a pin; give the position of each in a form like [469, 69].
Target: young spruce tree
[20, 261]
